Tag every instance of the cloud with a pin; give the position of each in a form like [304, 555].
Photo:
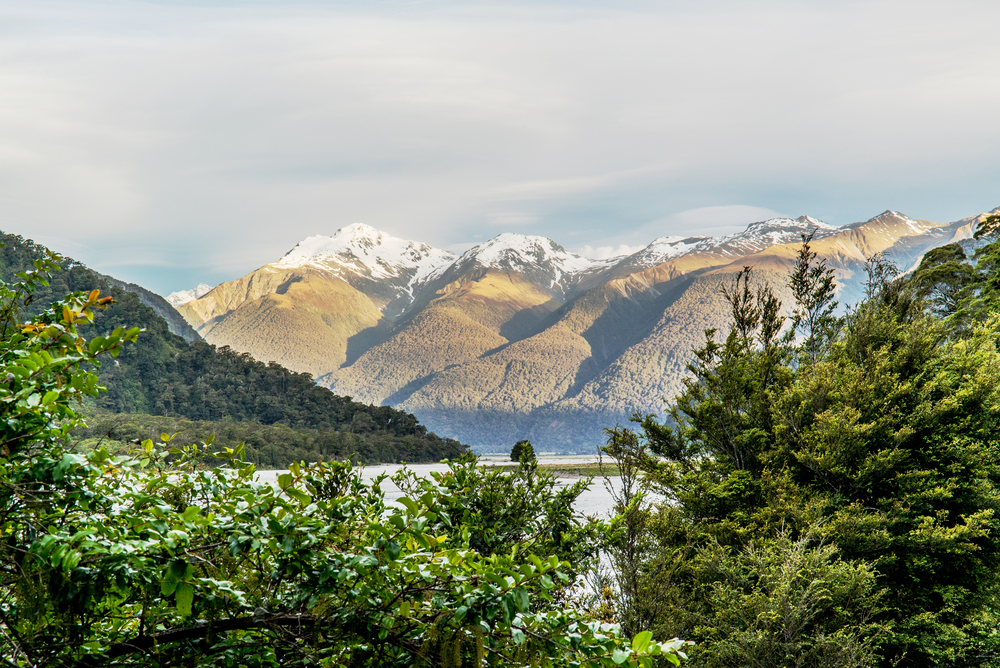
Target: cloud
[510, 220]
[213, 137]
[718, 220]
[605, 252]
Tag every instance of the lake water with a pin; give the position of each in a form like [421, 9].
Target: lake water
[595, 501]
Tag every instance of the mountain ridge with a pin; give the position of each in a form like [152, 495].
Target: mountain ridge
[519, 327]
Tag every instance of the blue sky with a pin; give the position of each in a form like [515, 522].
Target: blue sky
[172, 143]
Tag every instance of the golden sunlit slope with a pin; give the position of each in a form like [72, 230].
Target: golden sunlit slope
[588, 333]
[465, 317]
[652, 369]
[302, 319]
[623, 346]
[494, 347]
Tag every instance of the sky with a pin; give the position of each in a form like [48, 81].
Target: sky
[176, 143]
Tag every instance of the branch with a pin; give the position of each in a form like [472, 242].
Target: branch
[145, 643]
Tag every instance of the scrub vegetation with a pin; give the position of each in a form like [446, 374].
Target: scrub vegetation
[829, 499]
[824, 493]
[162, 383]
[153, 559]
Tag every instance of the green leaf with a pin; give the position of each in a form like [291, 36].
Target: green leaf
[299, 496]
[184, 597]
[620, 656]
[407, 503]
[641, 641]
[521, 599]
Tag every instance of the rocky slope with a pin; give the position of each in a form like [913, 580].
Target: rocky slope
[518, 338]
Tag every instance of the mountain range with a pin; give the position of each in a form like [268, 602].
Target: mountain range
[517, 337]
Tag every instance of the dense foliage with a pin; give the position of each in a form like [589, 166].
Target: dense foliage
[268, 446]
[119, 561]
[164, 375]
[835, 502]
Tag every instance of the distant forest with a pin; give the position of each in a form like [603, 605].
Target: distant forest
[165, 384]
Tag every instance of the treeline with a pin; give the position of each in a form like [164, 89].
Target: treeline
[832, 488]
[267, 446]
[163, 375]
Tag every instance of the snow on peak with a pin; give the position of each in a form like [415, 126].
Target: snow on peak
[365, 251]
[776, 231]
[665, 248]
[890, 217]
[755, 238]
[177, 299]
[510, 247]
[540, 258]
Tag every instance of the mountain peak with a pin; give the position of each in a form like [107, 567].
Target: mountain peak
[182, 297]
[755, 238]
[540, 258]
[510, 248]
[368, 252]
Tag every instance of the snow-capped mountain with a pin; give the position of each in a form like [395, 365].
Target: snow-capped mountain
[184, 296]
[362, 250]
[387, 268]
[540, 259]
[755, 238]
[517, 337]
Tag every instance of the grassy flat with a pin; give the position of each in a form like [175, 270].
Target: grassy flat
[582, 470]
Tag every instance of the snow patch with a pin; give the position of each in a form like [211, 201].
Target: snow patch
[755, 238]
[178, 299]
[365, 251]
[532, 254]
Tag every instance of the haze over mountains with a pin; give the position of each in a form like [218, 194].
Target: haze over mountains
[518, 338]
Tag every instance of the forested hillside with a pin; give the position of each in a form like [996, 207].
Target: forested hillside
[831, 498]
[163, 375]
[518, 338]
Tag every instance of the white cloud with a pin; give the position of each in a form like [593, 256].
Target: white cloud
[605, 252]
[219, 136]
[714, 217]
[512, 220]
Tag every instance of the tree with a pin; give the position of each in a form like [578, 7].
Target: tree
[879, 455]
[894, 433]
[942, 278]
[628, 546]
[521, 450]
[156, 560]
[813, 286]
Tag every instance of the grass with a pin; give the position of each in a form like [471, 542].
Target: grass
[582, 470]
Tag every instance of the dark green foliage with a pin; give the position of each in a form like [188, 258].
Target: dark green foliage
[895, 434]
[521, 450]
[942, 277]
[273, 446]
[875, 466]
[813, 286]
[148, 563]
[164, 375]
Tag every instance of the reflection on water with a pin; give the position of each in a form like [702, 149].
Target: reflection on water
[594, 501]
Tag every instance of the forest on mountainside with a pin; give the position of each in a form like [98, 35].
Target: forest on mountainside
[165, 377]
[167, 557]
[827, 487]
[824, 494]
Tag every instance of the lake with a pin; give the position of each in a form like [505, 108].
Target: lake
[594, 501]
